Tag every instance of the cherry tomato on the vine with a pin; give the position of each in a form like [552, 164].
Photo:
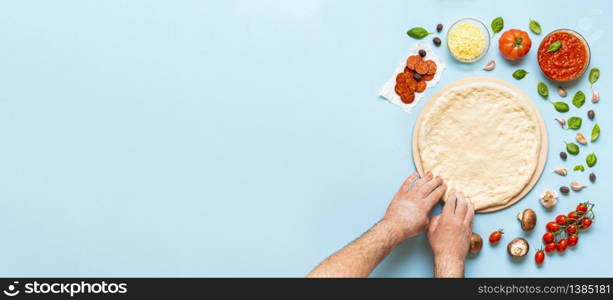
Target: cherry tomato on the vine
[586, 222]
[550, 247]
[548, 237]
[573, 215]
[561, 219]
[573, 239]
[571, 229]
[582, 207]
[552, 226]
[562, 245]
[496, 236]
[539, 257]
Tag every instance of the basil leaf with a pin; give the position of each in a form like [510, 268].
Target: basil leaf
[574, 123]
[554, 47]
[579, 168]
[535, 27]
[519, 74]
[591, 160]
[595, 132]
[542, 89]
[578, 99]
[572, 148]
[594, 75]
[560, 106]
[418, 32]
[497, 25]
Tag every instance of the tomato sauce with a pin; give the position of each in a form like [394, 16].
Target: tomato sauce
[569, 62]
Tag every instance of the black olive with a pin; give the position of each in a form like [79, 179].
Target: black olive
[563, 155]
[564, 190]
[436, 41]
[592, 177]
[422, 52]
[439, 27]
[417, 77]
[591, 114]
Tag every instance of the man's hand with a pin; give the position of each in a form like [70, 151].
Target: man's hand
[449, 236]
[408, 211]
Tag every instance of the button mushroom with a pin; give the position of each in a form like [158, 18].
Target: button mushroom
[527, 218]
[518, 247]
[475, 243]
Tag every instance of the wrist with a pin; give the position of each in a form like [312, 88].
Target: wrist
[448, 266]
[392, 230]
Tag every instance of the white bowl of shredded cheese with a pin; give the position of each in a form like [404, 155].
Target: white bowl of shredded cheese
[468, 40]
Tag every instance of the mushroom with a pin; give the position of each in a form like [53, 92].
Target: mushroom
[527, 218]
[518, 247]
[475, 243]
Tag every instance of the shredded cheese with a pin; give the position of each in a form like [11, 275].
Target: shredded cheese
[466, 41]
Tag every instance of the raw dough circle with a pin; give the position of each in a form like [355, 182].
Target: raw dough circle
[484, 138]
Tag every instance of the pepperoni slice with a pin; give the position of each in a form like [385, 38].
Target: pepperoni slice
[407, 98]
[431, 66]
[421, 67]
[427, 77]
[412, 61]
[402, 88]
[421, 86]
[401, 77]
[411, 83]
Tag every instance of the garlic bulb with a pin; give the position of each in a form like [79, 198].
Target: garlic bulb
[549, 198]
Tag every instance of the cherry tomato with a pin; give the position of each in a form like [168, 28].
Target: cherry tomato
[561, 219]
[582, 207]
[562, 245]
[539, 257]
[571, 229]
[586, 222]
[550, 247]
[552, 226]
[548, 237]
[573, 215]
[514, 44]
[496, 236]
[573, 239]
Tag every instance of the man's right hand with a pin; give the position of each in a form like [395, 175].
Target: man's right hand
[449, 236]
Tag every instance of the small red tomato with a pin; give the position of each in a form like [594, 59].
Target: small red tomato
[561, 219]
[550, 247]
[573, 215]
[552, 226]
[571, 229]
[496, 236]
[573, 239]
[539, 257]
[547, 237]
[586, 222]
[562, 245]
[582, 207]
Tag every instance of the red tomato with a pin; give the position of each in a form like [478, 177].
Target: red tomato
[561, 219]
[539, 257]
[573, 215]
[552, 226]
[582, 207]
[562, 245]
[548, 237]
[586, 222]
[496, 236]
[573, 239]
[571, 229]
[514, 44]
[550, 247]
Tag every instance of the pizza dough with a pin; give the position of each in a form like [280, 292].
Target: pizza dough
[483, 138]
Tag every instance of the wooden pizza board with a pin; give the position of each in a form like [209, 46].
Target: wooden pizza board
[542, 152]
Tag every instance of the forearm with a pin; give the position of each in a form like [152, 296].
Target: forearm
[448, 267]
[359, 258]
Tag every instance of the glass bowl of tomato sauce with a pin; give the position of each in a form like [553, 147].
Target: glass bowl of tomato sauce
[563, 55]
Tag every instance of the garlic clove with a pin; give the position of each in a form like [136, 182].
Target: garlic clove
[490, 65]
[576, 186]
[561, 91]
[581, 139]
[595, 96]
[561, 121]
[561, 171]
[549, 198]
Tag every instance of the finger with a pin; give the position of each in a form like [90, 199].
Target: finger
[434, 222]
[407, 182]
[449, 207]
[423, 180]
[461, 206]
[436, 195]
[470, 214]
[430, 186]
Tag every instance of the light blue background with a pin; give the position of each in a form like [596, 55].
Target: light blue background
[245, 138]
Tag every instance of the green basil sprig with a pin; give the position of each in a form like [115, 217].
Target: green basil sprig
[554, 47]
[535, 26]
[572, 148]
[418, 32]
[595, 132]
[542, 89]
[579, 99]
[579, 168]
[497, 25]
[560, 106]
[591, 160]
[574, 123]
[594, 75]
[519, 74]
